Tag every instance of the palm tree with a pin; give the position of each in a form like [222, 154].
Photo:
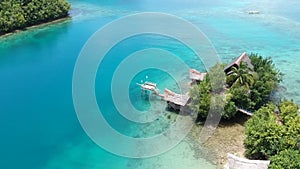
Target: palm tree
[241, 76]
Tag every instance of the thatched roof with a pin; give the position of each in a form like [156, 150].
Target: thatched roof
[196, 75]
[236, 62]
[175, 98]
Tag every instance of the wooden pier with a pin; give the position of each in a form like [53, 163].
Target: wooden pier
[149, 86]
[174, 100]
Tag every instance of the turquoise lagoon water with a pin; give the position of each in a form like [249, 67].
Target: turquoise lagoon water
[38, 124]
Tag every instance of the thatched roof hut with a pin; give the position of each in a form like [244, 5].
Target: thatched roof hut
[196, 75]
[178, 99]
[236, 63]
[149, 86]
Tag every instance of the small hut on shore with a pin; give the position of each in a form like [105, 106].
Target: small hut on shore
[236, 63]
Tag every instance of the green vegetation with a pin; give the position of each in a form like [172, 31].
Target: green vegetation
[241, 77]
[274, 133]
[267, 80]
[244, 87]
[263, 134]
[288, 111]
[287, 159]
[18, 14]
[209, 95]
[200, 96]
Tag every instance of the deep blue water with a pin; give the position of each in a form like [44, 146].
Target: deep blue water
[38, 124]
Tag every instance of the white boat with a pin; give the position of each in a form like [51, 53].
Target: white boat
[253, 12]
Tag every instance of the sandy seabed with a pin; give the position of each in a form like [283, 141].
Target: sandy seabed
[191, 154]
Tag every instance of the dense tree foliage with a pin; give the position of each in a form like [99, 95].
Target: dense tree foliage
[267, 80]
[18, 14]
[242, 76]
[263, 134]
[252, 88]
[240, 96]
[287, 159]
[229, 109]
[288, 111]
[217, 78]
[201, 97]
[269, 136]
[209, 95]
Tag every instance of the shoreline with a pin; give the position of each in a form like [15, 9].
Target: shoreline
[227, 138]
[56, 21]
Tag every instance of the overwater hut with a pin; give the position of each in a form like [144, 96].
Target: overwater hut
[174, 100]
[236, 63]
[196, 76]
[149, 86]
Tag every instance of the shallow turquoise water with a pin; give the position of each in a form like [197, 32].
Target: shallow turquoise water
[38, 125]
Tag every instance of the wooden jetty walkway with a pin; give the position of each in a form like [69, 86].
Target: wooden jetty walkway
[151, 87]
[174, 100]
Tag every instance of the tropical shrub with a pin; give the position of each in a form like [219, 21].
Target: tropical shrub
[209, 95]
[263, 134]
[240, 96]
[268, 136]
[286, 159]
[288, 111]
[217, 78]
[201, 97]
[229, 110]
[292, 135]
[267, 80]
